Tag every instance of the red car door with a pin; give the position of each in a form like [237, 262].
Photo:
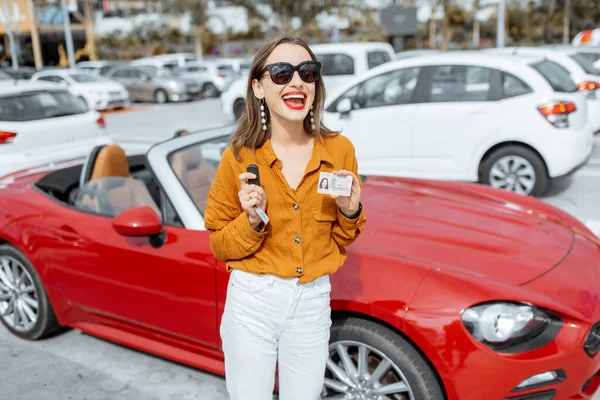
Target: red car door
[170, 289]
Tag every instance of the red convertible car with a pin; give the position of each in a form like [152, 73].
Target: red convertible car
[453, 291]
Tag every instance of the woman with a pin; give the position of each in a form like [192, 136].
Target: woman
[277, 309]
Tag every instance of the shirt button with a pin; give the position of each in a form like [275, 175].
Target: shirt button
[297, 240]
[299, 270]
[295, 206]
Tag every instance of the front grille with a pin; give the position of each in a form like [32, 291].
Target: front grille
[592, 343]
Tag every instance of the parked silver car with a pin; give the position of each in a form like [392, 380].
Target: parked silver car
[211, 76]
[150, 83]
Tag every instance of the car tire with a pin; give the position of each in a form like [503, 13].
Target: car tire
[209, 90]
[46, 322]
[239, 108]
[161, 96]
[533, 179]
[407, 364]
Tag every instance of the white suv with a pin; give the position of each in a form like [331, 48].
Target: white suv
[510, 122]
[340, 62]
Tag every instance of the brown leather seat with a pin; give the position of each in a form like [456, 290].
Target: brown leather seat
[195, 174]
[115, 195]
[111, 162]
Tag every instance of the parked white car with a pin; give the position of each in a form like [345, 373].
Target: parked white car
[509, 122]
[96, 92]
[573, 62]
[41, 122]
[340, 62]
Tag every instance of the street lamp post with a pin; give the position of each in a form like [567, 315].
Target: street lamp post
[11, 37]
[500, 24]
[68, 35]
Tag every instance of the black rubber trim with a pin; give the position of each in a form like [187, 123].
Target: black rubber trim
[547, 395]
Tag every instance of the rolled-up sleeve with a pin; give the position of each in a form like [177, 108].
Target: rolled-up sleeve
[231, 236]
[346, 230]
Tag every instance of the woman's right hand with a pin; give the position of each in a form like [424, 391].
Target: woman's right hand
[251, 196]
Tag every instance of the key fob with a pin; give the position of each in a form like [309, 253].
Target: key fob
[253, 168]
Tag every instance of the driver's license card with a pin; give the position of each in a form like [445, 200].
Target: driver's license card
[334, 184]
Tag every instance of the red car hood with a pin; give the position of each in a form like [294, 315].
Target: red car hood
[574, 283]
[448, 226]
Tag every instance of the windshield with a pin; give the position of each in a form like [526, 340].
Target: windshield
[586, 64]
[84, 78]
[556, 76]
[39, 105]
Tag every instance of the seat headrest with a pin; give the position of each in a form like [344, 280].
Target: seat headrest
[88, 166]
[191, 158]
[181, 132]
[111, 161]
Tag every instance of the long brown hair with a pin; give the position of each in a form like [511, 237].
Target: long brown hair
[249, 131]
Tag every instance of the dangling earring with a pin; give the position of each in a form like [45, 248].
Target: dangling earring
[262, 114]
[312, 118]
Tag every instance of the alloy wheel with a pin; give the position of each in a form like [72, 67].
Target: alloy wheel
[19, 301]
[513, 173]
[358, 371]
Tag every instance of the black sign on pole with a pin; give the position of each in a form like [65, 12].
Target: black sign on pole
[400, 21]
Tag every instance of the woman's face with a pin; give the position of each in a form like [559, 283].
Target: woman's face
[324, 183]
[290, 101]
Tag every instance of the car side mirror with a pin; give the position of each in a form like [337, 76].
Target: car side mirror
[344, 106]
[140, 222]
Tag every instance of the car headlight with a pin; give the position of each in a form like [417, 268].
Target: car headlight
[511, 327]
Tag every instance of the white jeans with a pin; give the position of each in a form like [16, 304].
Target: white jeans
[269, 320]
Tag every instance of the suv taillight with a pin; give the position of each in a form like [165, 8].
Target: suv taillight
[558, 113]
[100, 121]
[7, 137]
[590, 87]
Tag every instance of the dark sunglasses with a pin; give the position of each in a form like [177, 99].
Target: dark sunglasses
[282, 72]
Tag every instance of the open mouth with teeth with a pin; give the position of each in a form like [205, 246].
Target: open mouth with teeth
[294, 100]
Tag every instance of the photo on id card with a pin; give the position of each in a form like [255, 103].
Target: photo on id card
[334, 184]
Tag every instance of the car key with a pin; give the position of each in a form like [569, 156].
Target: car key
[253, 168]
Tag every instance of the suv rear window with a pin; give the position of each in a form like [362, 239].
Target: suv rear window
[39, 105]
[556, 76]
[584, 63]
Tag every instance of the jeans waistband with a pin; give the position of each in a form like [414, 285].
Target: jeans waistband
[271, 279]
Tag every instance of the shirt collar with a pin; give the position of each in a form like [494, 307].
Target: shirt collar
[320, 154]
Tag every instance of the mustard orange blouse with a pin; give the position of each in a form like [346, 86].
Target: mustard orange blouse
[306, 233]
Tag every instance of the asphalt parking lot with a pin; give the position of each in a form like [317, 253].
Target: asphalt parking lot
[76, 366]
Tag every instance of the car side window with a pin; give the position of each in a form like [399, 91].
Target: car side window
[336, 64]
[50, 78]
[121, 73]
[455, 83]
[376, 58]
[195, 167]
[387, 89]
[110, 196]
[513, 86]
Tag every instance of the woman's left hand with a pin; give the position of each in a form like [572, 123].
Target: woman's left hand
[348, 204]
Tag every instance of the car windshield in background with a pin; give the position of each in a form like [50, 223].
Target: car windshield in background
[591, 57]
[557, 76]
[4, 76]
[39, 105]
[586, 64]
[84, 78]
